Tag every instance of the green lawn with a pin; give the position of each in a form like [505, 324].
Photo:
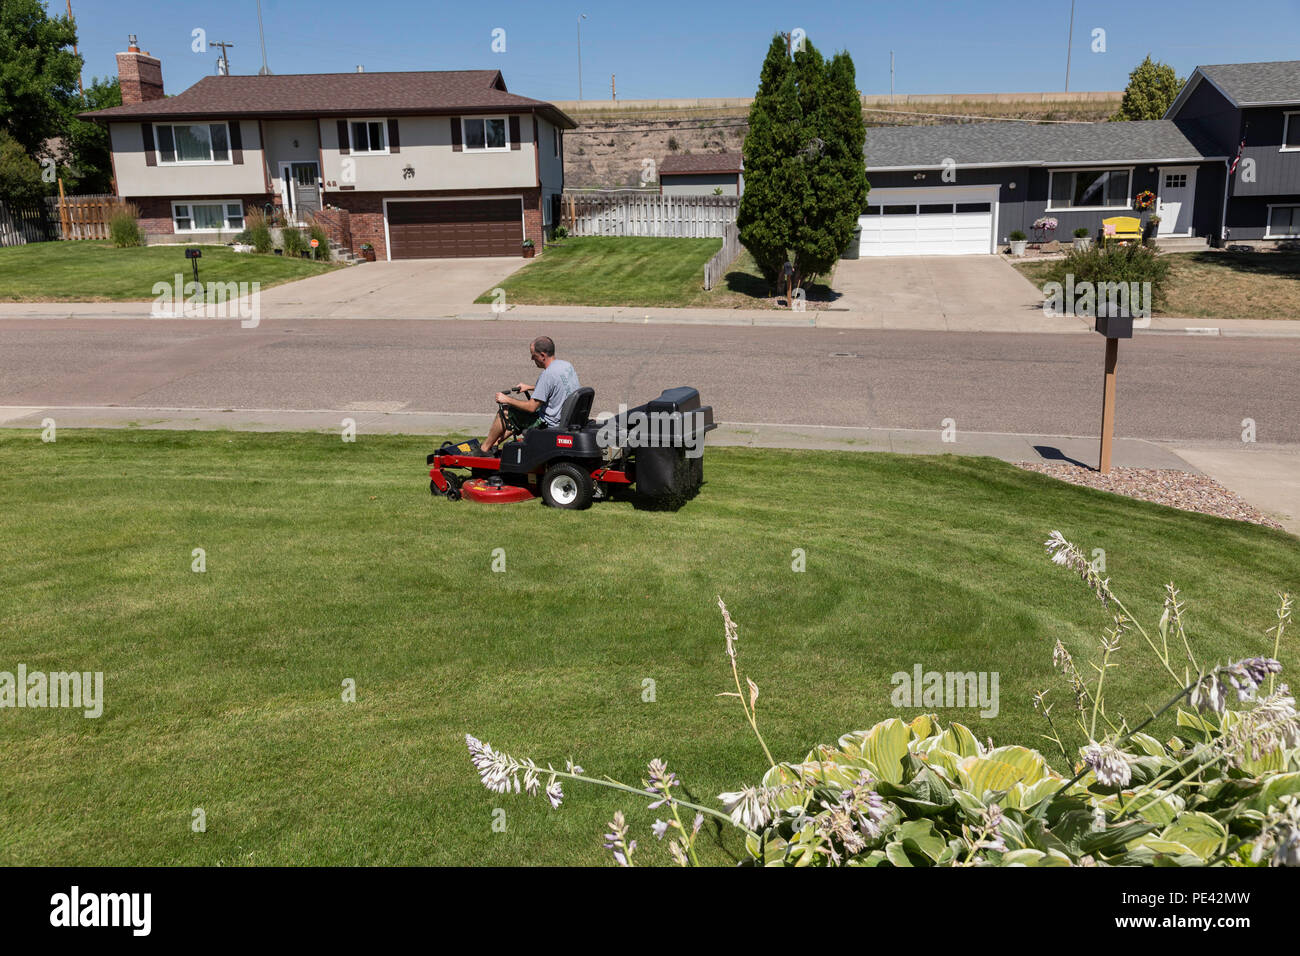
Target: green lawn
[97, 272]
[655, 273]
[328, 561]
[1221, 285]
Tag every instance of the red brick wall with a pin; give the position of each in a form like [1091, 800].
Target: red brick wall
[156, 211]
[366, 213]
[140, 76]
[337, 224]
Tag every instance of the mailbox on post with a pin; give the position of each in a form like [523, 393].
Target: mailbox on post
[1115, 322]
[194, 255]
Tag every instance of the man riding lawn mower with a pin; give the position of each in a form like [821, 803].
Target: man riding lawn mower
[569, 459]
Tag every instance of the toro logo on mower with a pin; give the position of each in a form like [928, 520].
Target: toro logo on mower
[563, 441]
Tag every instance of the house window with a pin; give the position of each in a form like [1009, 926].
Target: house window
[1290, 132]
[208, 216]
[180, 143]
[1176, 181]
[929, 208]
[974, 207]
[1090, 189]
[369, 136]
[486, 134]
[1283, 222]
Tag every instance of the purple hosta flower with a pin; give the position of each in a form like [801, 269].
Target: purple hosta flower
[732, 631]
[993, 839]
[660, 828]
[1279, 839]
[678, 853]
[498, 771]
[749, 808]
[661, 783]
[572, 767]
[1108, 764]
[1067, 555]
[1272, 725]
[554, 793]
[616, 840]
[1242, 677]
[1061, 657]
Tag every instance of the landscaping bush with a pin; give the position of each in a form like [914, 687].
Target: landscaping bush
[1112, 262]
[259, 231]
[293, 241]
[319, 234]
[124, 225]
[1081, 233]
[1222, 789]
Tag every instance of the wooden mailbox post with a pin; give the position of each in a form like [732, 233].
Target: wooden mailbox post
[1114, 328]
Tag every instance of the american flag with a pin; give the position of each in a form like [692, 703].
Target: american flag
[1240, 149]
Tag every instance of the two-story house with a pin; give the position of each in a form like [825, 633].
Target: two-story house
[961, 190]
[418, 164]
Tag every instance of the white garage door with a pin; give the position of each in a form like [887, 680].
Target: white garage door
[935, 222]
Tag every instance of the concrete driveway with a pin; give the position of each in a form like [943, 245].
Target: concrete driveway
[952, 292]
[406, 289]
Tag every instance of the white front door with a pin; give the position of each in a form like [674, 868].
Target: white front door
[1174, 200]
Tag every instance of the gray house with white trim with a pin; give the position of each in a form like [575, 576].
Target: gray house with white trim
[962, 190]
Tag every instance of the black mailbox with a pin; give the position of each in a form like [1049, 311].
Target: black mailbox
[193, 253]
[1115, 326]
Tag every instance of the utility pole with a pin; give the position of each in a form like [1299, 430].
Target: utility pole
[261, 36]
[223, 64]
[613, 90]
[1069, 48]
[80, 88]
[581, 17]
[891, 77]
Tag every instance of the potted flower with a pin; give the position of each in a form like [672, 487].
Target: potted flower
[1018, 240]
[1044, 227]
[1152, 227]
[530, 249]
[1082, 240]
[367, 252]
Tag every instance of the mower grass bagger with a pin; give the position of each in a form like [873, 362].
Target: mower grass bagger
[655, 449]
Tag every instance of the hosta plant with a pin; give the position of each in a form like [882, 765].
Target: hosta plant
[1223, 789]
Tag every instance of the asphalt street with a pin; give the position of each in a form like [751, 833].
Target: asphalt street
[1170, 386]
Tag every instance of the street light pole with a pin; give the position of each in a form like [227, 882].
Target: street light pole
[1069, 48]
[581, 17]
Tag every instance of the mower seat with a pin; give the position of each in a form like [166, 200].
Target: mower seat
[576, 410]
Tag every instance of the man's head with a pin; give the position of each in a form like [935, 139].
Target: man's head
[542, 351]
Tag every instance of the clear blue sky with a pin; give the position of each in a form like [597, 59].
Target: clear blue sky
[684, 48]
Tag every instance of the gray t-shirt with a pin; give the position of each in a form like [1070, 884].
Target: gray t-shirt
[556, 383]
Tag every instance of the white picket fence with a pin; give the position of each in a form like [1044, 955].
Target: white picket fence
[649, 214]
[716, 267]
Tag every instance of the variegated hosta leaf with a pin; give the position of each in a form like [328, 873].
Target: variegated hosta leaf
[884, 746]
[1274, 789]
[959, 740]
[1199, 832]
[1158, 806]
[1001, 768]
[1030, 857]
[1147, 744]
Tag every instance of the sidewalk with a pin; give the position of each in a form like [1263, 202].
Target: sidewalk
[1017, 321]
[1267, 476]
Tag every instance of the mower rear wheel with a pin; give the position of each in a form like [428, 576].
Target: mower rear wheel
[565, 485]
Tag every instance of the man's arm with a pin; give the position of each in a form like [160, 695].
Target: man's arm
[526, 404]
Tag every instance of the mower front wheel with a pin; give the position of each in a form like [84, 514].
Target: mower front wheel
[565, 485]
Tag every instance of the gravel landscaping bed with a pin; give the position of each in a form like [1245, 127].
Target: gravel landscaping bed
[1177, 489]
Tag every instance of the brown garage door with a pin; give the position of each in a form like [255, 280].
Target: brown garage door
[455, 228]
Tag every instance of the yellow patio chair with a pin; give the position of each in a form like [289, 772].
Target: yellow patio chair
[1121, 227]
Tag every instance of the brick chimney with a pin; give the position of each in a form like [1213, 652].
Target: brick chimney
[139, 74]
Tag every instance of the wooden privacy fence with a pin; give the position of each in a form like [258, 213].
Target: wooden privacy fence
[724, 257]
[21, 224]
[83, 217]
[648, 214]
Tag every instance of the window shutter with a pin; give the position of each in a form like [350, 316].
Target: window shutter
[456, 146]
[343, 138]
[236, 143]
[394, 140]
[514, 132]
[150, 158]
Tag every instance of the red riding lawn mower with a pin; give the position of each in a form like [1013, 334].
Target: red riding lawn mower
[655, 449]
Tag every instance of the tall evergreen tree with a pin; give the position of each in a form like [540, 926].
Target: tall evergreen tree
[805, 177]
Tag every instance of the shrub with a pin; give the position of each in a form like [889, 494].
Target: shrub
[1018, 236]
[1111, 262]
[323, 250]
[1222, 789]
[244, 238]
[259, 231]
[1082, 232]
[561, 232]
[293, 242]
[124, 225]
